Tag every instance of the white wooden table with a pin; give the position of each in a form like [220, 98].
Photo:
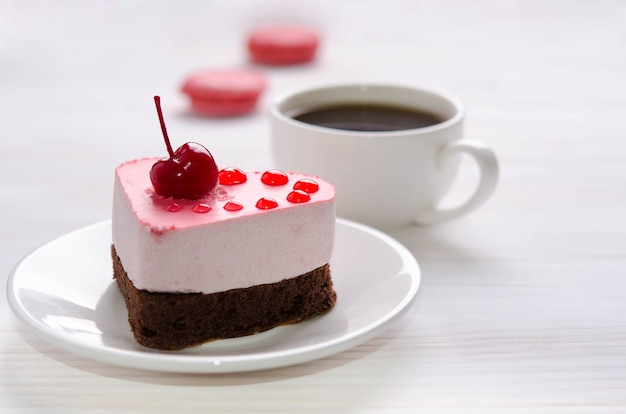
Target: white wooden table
[522, 306]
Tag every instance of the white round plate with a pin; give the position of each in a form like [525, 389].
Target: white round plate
[65, 291]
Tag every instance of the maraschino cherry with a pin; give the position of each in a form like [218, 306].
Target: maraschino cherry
[189, 173]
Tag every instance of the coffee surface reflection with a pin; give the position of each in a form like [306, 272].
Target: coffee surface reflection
[360, 117]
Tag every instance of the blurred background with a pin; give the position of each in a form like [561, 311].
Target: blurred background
[81, 74]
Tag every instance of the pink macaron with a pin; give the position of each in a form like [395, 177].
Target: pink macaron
[282, 45]
[224, 92]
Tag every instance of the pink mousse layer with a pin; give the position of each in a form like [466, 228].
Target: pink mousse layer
[169, 245]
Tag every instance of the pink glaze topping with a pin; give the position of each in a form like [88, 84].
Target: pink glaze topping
[156, 212]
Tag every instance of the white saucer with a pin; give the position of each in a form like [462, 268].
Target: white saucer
[64, 291]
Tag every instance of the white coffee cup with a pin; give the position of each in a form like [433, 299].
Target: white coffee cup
[385, 179]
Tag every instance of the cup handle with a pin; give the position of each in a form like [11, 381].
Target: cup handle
[489, 172]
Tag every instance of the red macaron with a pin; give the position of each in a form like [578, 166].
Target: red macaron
[224, 92]
[282, 45]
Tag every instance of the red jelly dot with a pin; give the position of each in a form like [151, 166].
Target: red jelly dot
[298, 196]
[174, 207]
[201, 208]
[233, 206]
[232, 176]
[266, 203]
[306, 185]
[274, 177]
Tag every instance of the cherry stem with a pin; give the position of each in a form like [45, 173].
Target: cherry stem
[157, 101]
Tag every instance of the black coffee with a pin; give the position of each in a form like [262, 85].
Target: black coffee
[360, 117]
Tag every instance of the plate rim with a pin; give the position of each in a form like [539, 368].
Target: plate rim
[218, 364]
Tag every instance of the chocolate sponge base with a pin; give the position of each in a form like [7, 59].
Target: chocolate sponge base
[173, 321]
